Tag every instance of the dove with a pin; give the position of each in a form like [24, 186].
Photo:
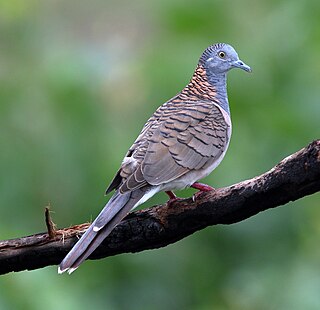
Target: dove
[182, 142]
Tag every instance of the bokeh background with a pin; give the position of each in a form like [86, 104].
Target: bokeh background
[78, 79]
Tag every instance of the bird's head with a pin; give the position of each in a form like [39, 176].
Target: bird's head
[220, 58]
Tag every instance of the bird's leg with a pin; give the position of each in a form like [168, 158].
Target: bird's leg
[202, 188]
[172, 197]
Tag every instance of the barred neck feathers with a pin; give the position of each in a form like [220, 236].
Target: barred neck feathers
[204, 87]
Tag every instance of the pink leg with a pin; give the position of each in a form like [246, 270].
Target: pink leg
[172, 197]
[202, 187]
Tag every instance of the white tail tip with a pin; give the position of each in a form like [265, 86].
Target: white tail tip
[71, 270]
[61, 271]
[96, 228]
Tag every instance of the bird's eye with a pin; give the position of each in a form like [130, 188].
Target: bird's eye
[222, 54]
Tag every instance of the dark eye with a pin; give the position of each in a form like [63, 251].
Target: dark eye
[222, 54]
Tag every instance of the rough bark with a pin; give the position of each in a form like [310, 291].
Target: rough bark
[296, 176]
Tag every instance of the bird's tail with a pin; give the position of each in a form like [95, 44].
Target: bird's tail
[115, 210]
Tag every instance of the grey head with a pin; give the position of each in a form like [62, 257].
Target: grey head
[219, 58]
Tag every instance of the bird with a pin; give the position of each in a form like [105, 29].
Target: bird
[182, 142]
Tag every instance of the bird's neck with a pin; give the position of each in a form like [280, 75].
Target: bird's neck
[206, 87]
[219, 82]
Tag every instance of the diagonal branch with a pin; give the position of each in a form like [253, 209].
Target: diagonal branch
[294, 177]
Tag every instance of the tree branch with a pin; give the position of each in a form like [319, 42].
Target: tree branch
[294, 177]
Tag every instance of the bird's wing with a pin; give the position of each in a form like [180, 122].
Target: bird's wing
[178, 138]
[134, 156]
[190, 139]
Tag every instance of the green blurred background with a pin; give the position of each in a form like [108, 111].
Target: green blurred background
[78, 79]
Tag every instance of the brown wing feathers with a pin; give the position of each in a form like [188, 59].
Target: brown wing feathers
[186, 136]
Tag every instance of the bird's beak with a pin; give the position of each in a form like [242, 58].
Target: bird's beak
[241, 65]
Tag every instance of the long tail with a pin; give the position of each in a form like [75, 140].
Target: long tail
[115, 210]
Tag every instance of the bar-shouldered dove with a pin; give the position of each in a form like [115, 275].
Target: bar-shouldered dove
[183, 141]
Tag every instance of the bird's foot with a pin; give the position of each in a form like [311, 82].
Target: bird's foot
[202, 188]
[172, 197]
